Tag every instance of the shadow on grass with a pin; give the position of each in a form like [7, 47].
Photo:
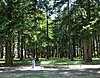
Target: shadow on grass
[51, 73]
[16, 63]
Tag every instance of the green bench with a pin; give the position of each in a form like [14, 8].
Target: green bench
[47, 64]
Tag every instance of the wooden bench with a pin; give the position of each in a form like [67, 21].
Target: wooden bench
[47, 64]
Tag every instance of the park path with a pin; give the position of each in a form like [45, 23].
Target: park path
[71, 71]
[38, 69]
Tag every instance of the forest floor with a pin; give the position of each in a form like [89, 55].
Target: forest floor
[69, 71]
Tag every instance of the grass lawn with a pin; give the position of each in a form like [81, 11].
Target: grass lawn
[57, 61]
[65, 61]
[51, 75]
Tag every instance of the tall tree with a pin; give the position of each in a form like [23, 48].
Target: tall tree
[8, 57]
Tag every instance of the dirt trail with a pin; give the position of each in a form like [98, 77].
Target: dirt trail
[71, 71]
[68, 68]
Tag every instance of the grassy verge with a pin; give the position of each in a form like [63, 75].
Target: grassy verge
[51, 75]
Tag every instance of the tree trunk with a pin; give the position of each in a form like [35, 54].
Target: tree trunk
[70, 53]
[81, 48]
[24, 49]
[21, 57]
[97, 49]
[18, 45]
[74, 51]
[88, 45]
[28, 51]
[13, 49]
[37, 53]
[89, 52]
[85, 53]
[47, 53]
[8, 55]
[99, 43]
[94, 54]
[71, 50]
[33, 53]
[2, 48]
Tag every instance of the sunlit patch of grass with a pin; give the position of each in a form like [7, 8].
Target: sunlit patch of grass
[26, 61]
[75, 62]
[21, 62]
[65, 61]
[2, 61]
[95, 58]
[58, 59]
[70, 63]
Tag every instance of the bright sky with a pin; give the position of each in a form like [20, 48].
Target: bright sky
[71, 2]
[62, 8]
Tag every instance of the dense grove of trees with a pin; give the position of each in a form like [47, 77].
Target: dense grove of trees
[49, 28]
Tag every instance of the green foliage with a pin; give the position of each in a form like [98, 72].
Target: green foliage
[89, 31]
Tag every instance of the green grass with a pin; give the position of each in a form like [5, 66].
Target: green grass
[65, 61]
[77, 61]
[57, 61]
[51, 75]
[17, 62]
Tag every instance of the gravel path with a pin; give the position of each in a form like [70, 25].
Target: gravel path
[94, 69]
[70, 68]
